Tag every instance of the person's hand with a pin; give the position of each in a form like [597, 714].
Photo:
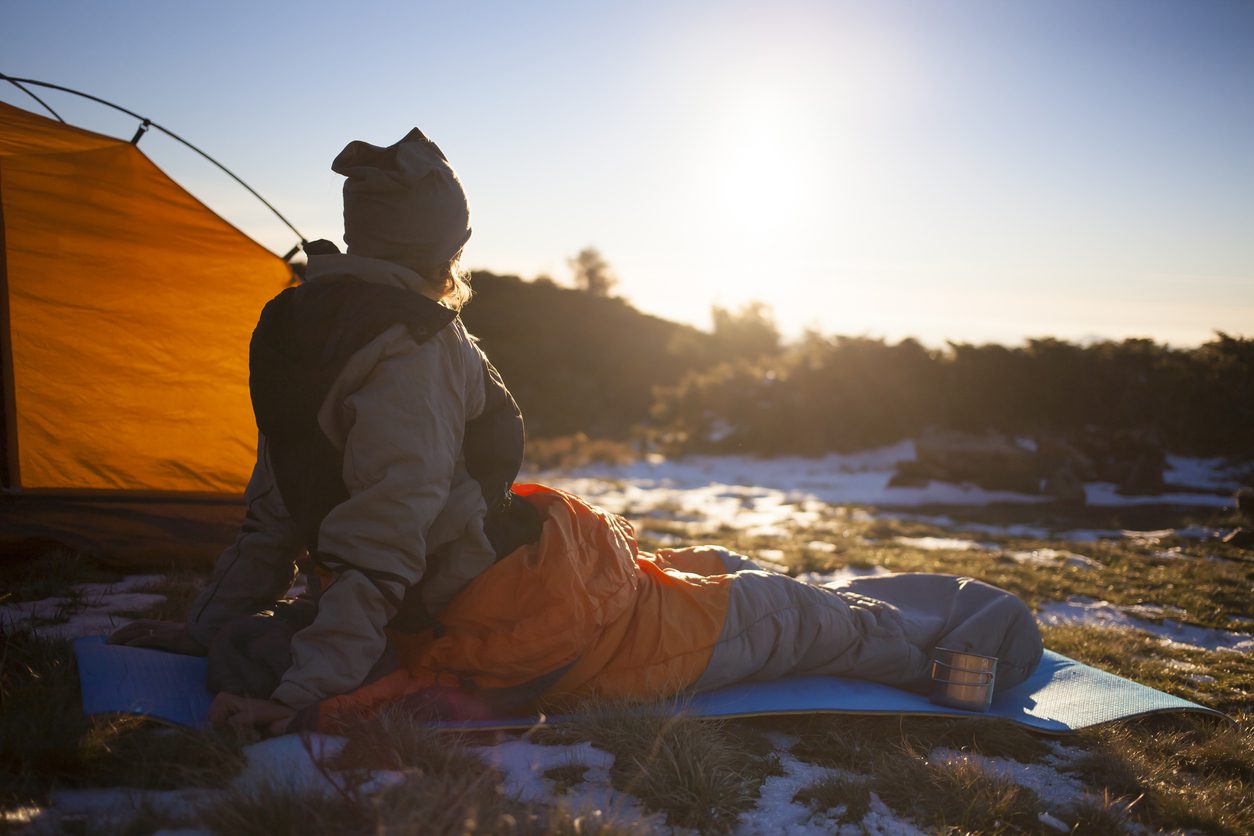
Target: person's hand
[231, 711]
[158, 635]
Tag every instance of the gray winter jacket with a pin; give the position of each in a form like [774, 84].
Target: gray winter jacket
[397, 411]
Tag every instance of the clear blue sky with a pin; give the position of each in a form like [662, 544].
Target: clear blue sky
[980, 171]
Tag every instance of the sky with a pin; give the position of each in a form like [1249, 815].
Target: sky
[973, 170]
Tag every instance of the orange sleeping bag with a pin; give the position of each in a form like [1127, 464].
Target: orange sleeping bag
[579, 613]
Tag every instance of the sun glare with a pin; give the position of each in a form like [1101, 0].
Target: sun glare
[763, 171]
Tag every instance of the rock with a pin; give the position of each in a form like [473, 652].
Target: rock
[1133, 459]
[1065, 486]
[1143, 477]
[1245, 503]
[1054, 453]
[989, 461]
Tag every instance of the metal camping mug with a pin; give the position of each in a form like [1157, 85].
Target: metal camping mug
[962, 680]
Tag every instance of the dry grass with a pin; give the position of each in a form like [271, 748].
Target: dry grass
[891, 756]
[444, 787]
[41, 721]
[1187, 772]
[700, 773]
[273, 807]
[565, 777]
[953, 794]
[844, 797]
[1173, 773]
[53, 574]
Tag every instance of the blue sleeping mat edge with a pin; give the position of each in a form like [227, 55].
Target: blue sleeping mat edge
[1061, 696]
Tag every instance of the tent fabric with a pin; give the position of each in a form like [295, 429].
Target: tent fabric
[130, 306]
[124, 531]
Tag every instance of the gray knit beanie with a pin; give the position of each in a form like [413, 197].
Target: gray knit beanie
[403, 203]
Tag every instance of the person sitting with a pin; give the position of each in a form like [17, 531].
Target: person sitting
[386, 463]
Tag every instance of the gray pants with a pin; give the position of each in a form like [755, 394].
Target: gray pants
[883, 629]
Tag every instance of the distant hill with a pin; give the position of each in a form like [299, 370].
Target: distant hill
[577, 362]
[582, 363]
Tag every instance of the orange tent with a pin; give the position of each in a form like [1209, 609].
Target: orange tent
[126, 308]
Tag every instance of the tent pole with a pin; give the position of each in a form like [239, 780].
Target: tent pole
[18, 82]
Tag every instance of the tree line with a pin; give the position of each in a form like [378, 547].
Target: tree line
[584, 362]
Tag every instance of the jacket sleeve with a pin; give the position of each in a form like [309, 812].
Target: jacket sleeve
[404, 428]
[258, 567]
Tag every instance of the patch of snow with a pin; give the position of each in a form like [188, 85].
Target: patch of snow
[773, 555]
[880, 821]
[833, 479]
[838, 576]
[777, 813]
[291, 761]
[1144, 538]
[781, 741]
[1053, 822]
[97, 609]
[821, 546]
[1213, 474]
[1052, 557]
[1089, 535]
[1147, 538]
[1199, 532]
[839, 478]
[523, 764]
[112, 809]
[1154, 610]
[943, 544]
[131, 583]
[1058, 792]
[1029, 532]
[1105, 494]
[1081, 610]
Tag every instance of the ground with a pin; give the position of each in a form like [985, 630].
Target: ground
[1142, 587]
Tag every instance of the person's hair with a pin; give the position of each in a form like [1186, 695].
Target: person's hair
[453, 282]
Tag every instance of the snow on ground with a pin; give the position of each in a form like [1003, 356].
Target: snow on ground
[523, 764]
[1081, 610]
[290, 761]
[287, 761]
[1057, 792]
[94, 608]
[112, 809]
[1140, 538]
[763, 497]
[653, 483]
[1031, 532]
[839, 576]
[1105, 494]
[777, 813]
[944, 544]
[1213, 474]
[1053, 557]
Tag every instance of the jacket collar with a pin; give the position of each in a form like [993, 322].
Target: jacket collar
[333, 266]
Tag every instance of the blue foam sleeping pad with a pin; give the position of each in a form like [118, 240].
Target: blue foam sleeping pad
[1062, 695]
